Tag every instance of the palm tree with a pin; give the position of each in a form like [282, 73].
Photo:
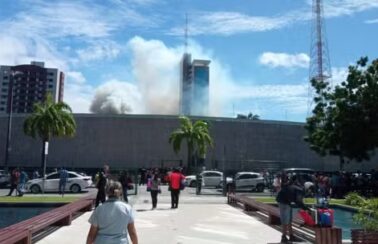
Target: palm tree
[195, 134]
[49, 119]
[253, 116]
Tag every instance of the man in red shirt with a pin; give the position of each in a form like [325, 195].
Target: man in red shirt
[175, 182]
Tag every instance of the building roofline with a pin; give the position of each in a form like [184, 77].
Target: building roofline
[155, 116]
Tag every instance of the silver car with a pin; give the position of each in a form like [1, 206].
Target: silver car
[75, 183]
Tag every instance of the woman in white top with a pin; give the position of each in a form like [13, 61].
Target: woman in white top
[113, 221]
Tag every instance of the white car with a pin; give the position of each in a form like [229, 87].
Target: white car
[251, 181]
[209, 178]
[75, 183]
[4, 178]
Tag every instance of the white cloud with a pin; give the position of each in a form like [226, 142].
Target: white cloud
[100, 50]
[229, 23]
[76, 77]
[77, 94]
[336, 8]
[371, 21]
[339, 74]
[300, 60]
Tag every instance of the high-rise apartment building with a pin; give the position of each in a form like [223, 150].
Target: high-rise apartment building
[28, 83]
[194, 86]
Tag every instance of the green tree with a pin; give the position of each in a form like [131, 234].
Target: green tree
[250, 116]
[345, 119]
[196, 135]
[48, 120]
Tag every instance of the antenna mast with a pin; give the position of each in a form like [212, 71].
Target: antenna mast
[320, 67]
[186, 32]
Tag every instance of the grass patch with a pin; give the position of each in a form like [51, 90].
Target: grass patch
[38, 199]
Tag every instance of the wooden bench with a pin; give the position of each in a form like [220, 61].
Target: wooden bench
[330, 235]
[22, 232]
[15, 236]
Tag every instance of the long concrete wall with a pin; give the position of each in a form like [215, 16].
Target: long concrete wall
[132, 141]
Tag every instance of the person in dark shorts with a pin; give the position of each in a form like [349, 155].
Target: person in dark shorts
[101, 185]
[291, 192]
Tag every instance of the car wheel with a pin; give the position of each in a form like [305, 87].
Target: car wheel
[35, 189]
[193, 183]
[75, 188]
[260, 188]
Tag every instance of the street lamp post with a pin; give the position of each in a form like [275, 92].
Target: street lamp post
[9, 130]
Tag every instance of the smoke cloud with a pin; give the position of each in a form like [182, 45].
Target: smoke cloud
[155, 82]
[116, 97]
[156, 74]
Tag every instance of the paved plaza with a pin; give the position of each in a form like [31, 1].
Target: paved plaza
[204, 219]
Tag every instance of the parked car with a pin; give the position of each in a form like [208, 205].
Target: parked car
[251, 181]
[209, 179]
[294, 171]
[4, 178]
[75, 183]
[306, 177]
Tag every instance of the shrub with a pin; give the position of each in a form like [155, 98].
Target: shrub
[354, 199]
[367, 215]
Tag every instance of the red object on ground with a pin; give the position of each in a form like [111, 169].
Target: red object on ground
[307, 218]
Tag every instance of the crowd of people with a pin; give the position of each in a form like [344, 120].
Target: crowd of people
[334, 184]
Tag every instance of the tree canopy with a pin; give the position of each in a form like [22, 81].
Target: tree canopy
[344, 121]
[250, 116]
[48, 120]
[196, 135]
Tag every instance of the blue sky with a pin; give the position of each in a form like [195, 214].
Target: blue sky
[123, 55]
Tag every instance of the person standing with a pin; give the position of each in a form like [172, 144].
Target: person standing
[175, 181]
[101, 185]
[14, 180]
[63, 176]
[155, 189]
[123, 179]
[291, 192]
[35, 174]
[113, 221]
[21, 185]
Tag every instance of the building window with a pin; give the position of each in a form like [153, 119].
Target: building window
[5, 77]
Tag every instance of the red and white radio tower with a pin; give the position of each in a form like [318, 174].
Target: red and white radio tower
[320, 67]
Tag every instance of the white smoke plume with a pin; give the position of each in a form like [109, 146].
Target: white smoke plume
[154, 88]
[116, 97]
[156, 73]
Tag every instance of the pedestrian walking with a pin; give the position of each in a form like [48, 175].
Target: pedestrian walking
[123, 179]
[21, 185]
[101, 185]
[14, 180]
[63, 177]
[155, 189]
[113, 221]
[175, 185]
